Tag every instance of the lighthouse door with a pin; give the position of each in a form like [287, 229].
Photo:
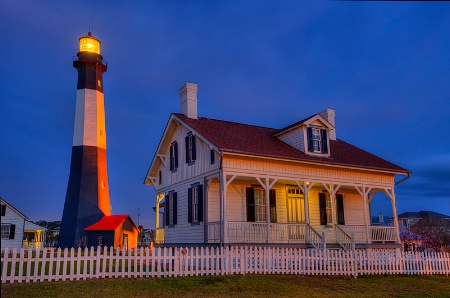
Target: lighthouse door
[125, 241]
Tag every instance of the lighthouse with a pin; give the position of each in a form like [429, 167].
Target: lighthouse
[87, 197]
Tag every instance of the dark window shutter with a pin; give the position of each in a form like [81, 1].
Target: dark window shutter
[159, 177]
[190, 205]
[166, 212]
[323, 137]
[250, 193]
[186, 141]
[273, 205]
[171, 158]
[194, 151]
[12, 231]
[310, 139]
[175, 208]
[323, 208]
[176, 155]
[340, 209]
[200, 203]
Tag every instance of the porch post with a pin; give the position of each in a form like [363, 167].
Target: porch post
[267, 191]
[305, 201]
[394, 212]
[366, 214]
[157, 211]
[223, 208]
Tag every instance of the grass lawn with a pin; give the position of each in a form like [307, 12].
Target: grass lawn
[241, 286]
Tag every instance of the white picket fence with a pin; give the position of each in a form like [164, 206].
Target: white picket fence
[60, 265]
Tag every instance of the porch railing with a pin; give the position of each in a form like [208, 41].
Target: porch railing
[383, 234]
[314, 238]
[252, 232]
[343, 238]
[213, 232]
[32, 244]
[288, 233]
[377, 234]
[159, 235]
[359, 233]
[247, 232]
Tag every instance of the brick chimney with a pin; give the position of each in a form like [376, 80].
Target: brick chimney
[329, 114]
[188, 100]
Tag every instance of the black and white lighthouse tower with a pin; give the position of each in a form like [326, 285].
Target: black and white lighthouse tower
[87, 197]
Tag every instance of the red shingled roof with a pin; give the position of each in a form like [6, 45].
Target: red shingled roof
[257, 140]
[109, 223]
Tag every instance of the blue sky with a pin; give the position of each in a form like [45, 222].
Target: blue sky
[383, 66]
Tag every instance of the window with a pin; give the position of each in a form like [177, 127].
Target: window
[256, 205]
[171, 209]
[159, 177]
[195, 203]
[3, 209]
[212, 156]
[100, 241]
[174, 156]
[191, 153]
[326, 215]
[317, 140]
[8, 231]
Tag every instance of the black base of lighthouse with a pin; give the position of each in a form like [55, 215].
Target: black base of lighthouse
[82, 206]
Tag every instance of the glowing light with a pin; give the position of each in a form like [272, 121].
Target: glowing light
[89, 44]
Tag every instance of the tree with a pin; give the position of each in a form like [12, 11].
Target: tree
[141, 235]
[433, 232]
[152, 235]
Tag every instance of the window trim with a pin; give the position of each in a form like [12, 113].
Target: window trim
[195, 204]
[170, 210]
[173, 156]
[191, 150]
[11, 231]
[254, 213]
[317, 140]
[212, 156]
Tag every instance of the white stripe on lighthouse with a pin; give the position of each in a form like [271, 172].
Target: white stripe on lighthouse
[89, 127]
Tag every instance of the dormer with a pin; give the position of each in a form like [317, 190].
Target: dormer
[311, 135]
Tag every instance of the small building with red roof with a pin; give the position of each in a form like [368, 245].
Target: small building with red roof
[113, 230]
[222, 182]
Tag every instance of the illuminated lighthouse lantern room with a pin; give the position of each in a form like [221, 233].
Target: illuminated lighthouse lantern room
[89, 44]
[87, 197]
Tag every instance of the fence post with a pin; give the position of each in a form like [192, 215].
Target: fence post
[324, 242]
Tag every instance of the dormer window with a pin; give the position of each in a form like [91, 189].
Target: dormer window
[317, 140]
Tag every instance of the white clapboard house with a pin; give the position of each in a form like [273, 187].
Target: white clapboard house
[18, 231]
[220, 182]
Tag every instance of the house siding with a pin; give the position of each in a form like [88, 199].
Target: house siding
[12, 217]
[285, 169]
[185, 171]
[295, 138]
[183, 231]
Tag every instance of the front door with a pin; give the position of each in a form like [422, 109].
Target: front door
[295, 205]
[125, 241]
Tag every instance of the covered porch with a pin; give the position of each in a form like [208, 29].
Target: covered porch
[34, 236]
[302, 212]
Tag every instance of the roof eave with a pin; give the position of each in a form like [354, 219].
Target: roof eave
[322, 163]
